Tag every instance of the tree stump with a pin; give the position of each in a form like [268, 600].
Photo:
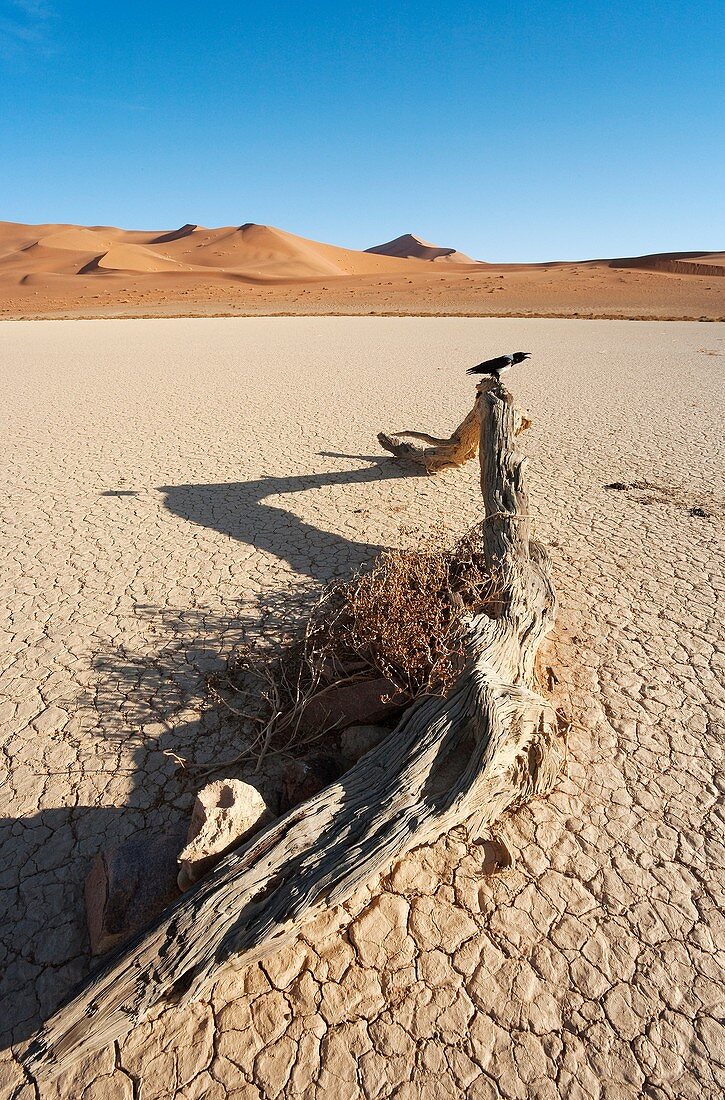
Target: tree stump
[492, 743]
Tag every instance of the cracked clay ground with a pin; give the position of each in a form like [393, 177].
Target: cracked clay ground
[167, 481]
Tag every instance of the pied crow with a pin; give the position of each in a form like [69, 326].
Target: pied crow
[497, 366]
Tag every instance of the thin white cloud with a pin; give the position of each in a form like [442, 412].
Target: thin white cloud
[36, 9]
[25, 27]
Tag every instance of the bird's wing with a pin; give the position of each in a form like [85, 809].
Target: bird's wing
[490, 364]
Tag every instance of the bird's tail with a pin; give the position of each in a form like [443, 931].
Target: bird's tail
[473, 370]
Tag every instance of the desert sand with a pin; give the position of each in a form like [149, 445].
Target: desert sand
[78, 271]
[168, 483]
[411, 247]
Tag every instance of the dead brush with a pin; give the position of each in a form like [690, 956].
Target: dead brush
[403, 619]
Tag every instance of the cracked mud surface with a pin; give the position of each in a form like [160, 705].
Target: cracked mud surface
[166, 481]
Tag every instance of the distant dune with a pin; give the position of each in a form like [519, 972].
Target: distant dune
[252, 251]
[57, 270]
[410, 247]
[678, 263]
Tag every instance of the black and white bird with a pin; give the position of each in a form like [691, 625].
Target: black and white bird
[496, 367]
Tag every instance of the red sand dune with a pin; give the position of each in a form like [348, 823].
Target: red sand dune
[71, 270]
[255, 251]
[678, 263]
[410, 247]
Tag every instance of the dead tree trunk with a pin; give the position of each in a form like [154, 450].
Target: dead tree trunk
[441, 454]
[491, 744]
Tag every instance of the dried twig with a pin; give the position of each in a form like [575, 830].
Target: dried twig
[402, 620]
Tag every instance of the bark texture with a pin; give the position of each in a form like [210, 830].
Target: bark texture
[492, 743]
[441, 454]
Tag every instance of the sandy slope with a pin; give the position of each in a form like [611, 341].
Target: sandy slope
[166, 481]
[66, 271]
[409, 247]
[253, 251]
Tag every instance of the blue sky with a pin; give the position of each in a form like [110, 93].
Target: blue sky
[513, 131]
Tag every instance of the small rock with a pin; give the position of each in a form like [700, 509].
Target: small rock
[617, 485]
[496, 856]
[225, 813]
[365, 701]
[303, 778]
[128, 885]
[358, 740]
[700, 512]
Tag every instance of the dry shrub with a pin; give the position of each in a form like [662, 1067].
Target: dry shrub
[402, 619]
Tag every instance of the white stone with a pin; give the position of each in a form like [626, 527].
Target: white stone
[225, 813]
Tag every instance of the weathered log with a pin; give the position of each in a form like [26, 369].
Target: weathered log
[491, 744]
[441, 454]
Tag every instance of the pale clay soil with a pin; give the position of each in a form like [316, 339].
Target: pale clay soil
[168, 481]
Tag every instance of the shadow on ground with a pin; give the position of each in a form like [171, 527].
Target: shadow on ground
[144, 701]
[245, 511]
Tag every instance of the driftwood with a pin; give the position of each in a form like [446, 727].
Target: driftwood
[491, 744]
[441, 454]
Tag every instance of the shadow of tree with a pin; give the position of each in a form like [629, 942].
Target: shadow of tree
[150, 710]
[155, 708]
[243, 511]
